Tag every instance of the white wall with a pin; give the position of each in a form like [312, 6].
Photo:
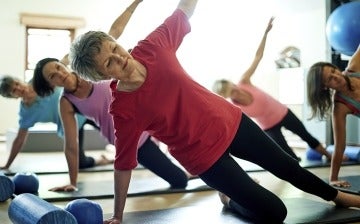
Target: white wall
[222, 43]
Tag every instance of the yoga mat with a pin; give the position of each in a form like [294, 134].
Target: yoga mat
[300, 210]
[139, 186]
[323, 163]
[355, 184]
[55, 163]
[51, 163]
[305, 163]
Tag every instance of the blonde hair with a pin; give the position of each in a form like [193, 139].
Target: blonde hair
[222, 87]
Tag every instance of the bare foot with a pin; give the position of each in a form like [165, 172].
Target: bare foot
[110, 148]
[191, 177]
[255, 179]
[104, 161]
[340, 183]
[224, 199]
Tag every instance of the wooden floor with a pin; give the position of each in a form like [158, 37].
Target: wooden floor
[207, 198]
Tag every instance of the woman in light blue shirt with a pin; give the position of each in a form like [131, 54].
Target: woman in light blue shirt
[35, 109]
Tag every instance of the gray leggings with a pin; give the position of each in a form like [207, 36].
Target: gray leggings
[249, 198]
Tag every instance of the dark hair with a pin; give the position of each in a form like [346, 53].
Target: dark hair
[41, 86]
[319, 97]
[6, 82]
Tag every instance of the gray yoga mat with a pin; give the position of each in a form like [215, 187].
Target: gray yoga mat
[300, 210]
[305, 163]
[139, 186]
[55, 163]
[355, 184]
[49, 163]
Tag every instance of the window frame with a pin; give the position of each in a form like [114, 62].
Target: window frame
[48, 22]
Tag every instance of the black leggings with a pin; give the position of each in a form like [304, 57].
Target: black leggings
[85, 161]
[249, 198]
[151, 157]
[293, 124]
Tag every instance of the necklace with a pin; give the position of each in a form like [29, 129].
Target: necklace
[76, 87]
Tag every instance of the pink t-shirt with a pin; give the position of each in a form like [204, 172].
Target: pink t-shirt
[96, 108]
[197, 125]
[266, 110]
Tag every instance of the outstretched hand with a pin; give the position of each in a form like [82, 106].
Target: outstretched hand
[340, 183]
[4, 168]
[112, 220]
[270, 24]
[66, 188]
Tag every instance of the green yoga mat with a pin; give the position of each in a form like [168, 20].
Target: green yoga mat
[139, 186]
[300, 211]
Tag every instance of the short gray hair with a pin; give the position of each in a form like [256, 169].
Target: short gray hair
[6, 83]
[82, 53]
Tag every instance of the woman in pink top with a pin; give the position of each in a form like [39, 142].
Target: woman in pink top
[269, 113]
[152, 92]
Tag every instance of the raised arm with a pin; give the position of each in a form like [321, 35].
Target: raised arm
[120, 22]
[187, 6]
[245, 78]
[117, 27]
[354, 63]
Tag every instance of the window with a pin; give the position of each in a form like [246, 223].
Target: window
[42, 43]
[47, 36]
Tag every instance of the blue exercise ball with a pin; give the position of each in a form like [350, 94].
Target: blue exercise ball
[343, 28]
[26, 182]
[85, 211]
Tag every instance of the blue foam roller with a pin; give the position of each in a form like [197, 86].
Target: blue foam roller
[29, 209]
[313, 155]
[7, 187]
[352, 152]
